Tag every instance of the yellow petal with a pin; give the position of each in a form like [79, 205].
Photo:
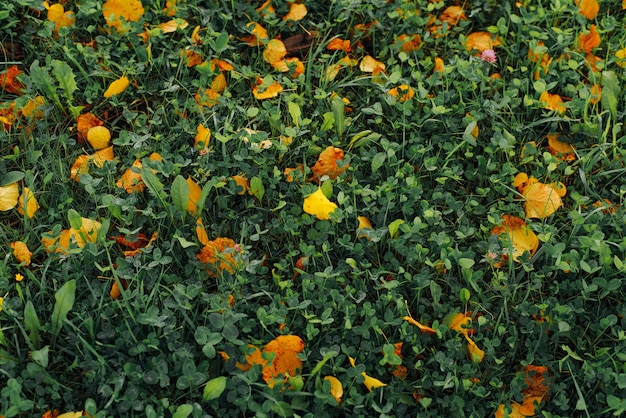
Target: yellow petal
[318, 204]
[117, 87]
[372, 383]
[8, 196]
[336, 388]
[98, 137]
[352, 361]
[202, 139]
[27, 203]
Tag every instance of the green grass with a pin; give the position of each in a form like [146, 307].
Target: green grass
[432, 189]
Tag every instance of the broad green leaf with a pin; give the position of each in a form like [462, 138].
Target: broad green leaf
[220, 43]
[153, 183]
[466, 263]
[31, 322]
[329, 121]
[76, 221]
[183, 411]
[214, 388]
[257, 188]
[11, 177]
[180, 193]
[295, 112]
[338, 106]
[64, 302]
[43, 82]
[65, 76]
[41, 356]
[394, 226]
[610, 92]
[378, 161]
[467, 134]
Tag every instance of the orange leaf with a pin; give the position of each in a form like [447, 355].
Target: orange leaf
[9, 82]
[85, 122]
[27, 203]
[202, 139]
[590, 41]
[131, 179]
[194, 196]
[552, 102]
[371, 65]
[338, 44]
[562, 150]
[326, 164]
[336, 388]
[269, 92]
[588, 8]
[481, 41]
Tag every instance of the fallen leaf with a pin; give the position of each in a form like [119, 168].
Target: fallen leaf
[318, 204]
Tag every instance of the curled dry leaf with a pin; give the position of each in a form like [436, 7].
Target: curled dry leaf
[21, 252]
[329, 163]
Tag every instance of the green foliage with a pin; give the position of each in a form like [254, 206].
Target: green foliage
[433, 174]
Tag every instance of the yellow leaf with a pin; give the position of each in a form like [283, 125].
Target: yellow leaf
[202, 139]
[372, 383]
[131, 180]
[203, 237]
[27, 203]
[21, 252]
[424, 328]
[118, 12]
[296, 12]
[318, 204]
[173, 25]
[336, 388]
[271, 91]
[274, 51]
[552, 102]
[371, 65]
[194, 196]
[475, 353]
[542, 200]
[515, 233]
[588, 42]
[98, 137]
[117, 87]
[515, 411]
[58, 15]
[481, 41]
[80, 166]
[9, 196]
[98, 158]
[458, 322]
[71, 415]
[402, 93]
[561, 150]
